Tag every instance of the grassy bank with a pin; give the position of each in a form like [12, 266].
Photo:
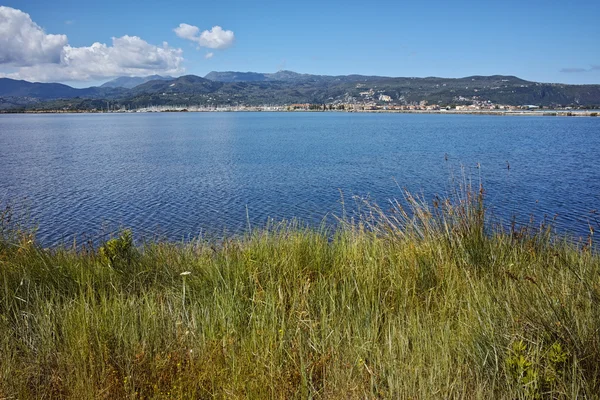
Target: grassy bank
[427, 302]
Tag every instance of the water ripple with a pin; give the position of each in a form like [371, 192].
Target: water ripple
[181, 175]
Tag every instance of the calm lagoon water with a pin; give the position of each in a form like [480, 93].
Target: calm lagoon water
[185, 174]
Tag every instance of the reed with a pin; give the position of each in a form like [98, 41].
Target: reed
[426, 300]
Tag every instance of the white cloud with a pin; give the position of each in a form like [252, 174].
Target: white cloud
[210, 55]
[23, 42]
[216, 38]
[41, 57]
[186, 31]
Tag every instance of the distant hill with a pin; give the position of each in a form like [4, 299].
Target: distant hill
[183, 84]
[230, 76]
[45, 91]
[130, 82]
[18, 93]
[283, 76]
[287, 87]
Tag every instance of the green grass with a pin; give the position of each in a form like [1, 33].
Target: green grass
[431, 301]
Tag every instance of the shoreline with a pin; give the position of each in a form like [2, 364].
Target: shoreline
[549, 113]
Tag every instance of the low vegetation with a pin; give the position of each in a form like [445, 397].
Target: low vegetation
[426, 300]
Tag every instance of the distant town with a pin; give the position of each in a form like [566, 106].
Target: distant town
[287, 91]
[477, 107]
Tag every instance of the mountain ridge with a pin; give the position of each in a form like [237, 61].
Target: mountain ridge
[21, 88]
[129, 82]
[288, 87]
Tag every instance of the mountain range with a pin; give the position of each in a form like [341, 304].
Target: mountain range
[287, 87]
[129, 82]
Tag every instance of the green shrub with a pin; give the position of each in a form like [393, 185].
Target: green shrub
[119, 251]
[536, 371]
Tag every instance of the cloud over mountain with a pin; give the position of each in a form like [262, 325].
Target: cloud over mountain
[572, 70]
[45, 57]
[216, 38]
[577, 70]
[23, 42]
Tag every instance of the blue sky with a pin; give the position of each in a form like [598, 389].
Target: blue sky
[546, 41]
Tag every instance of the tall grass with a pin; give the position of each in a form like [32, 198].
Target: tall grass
[428, 300]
